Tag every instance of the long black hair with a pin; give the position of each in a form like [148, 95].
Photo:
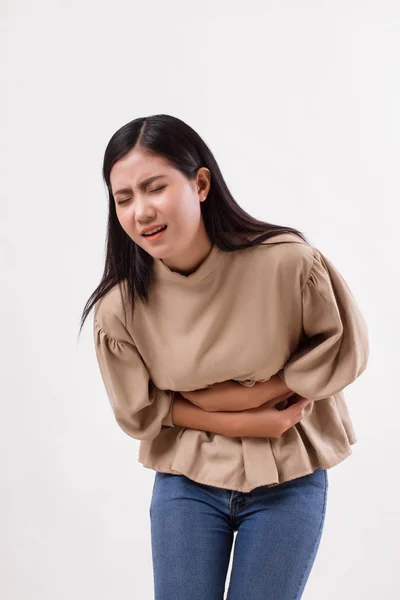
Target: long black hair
[228, 226]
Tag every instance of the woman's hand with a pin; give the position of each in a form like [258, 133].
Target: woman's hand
[268, 421]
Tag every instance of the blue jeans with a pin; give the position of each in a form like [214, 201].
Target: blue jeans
[192, 532]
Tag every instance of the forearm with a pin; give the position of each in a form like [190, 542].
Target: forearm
[268, 390]
[232, 396]
[186, 414]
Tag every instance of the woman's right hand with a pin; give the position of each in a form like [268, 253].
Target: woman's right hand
[269, 421]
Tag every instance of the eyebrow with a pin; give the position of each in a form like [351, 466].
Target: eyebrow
[142, 185]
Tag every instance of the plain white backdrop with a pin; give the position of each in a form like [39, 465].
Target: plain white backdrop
[300, 103]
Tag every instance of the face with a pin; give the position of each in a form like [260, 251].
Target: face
[170, 199]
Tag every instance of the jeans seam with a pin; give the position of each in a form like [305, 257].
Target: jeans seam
[317, 537]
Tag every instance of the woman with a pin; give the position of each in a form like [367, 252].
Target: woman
[224, 344]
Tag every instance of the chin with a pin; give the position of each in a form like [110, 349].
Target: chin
[155, 252]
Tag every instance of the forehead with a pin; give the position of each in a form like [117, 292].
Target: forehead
[138, 165]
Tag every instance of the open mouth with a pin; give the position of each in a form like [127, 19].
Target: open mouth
[155, 235]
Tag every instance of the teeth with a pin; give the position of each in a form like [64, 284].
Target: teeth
[154, 230]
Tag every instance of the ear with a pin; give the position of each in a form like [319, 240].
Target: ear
[203, 183]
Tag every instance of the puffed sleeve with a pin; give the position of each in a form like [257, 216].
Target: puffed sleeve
[140, 408]
[335, 347]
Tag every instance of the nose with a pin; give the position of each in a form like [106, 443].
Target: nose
[143, 211]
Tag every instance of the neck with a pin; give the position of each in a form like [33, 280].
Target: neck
[190, 260]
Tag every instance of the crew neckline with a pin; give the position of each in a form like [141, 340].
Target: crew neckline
[208, 266]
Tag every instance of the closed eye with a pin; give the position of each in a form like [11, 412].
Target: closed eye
[151, 191]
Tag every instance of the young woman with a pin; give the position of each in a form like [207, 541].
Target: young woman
[224, 344]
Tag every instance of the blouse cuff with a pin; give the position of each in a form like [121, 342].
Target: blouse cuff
[167, 420]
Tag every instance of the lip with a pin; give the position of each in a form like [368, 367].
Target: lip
[152, 227]
[155, 237]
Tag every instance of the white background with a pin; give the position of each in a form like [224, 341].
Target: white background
[300, 103]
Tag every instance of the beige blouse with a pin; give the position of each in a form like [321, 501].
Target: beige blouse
[243, 315]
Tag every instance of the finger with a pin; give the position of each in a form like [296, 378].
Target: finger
[290, 398]
[296, 398]
[278, 399]
[297, 408]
